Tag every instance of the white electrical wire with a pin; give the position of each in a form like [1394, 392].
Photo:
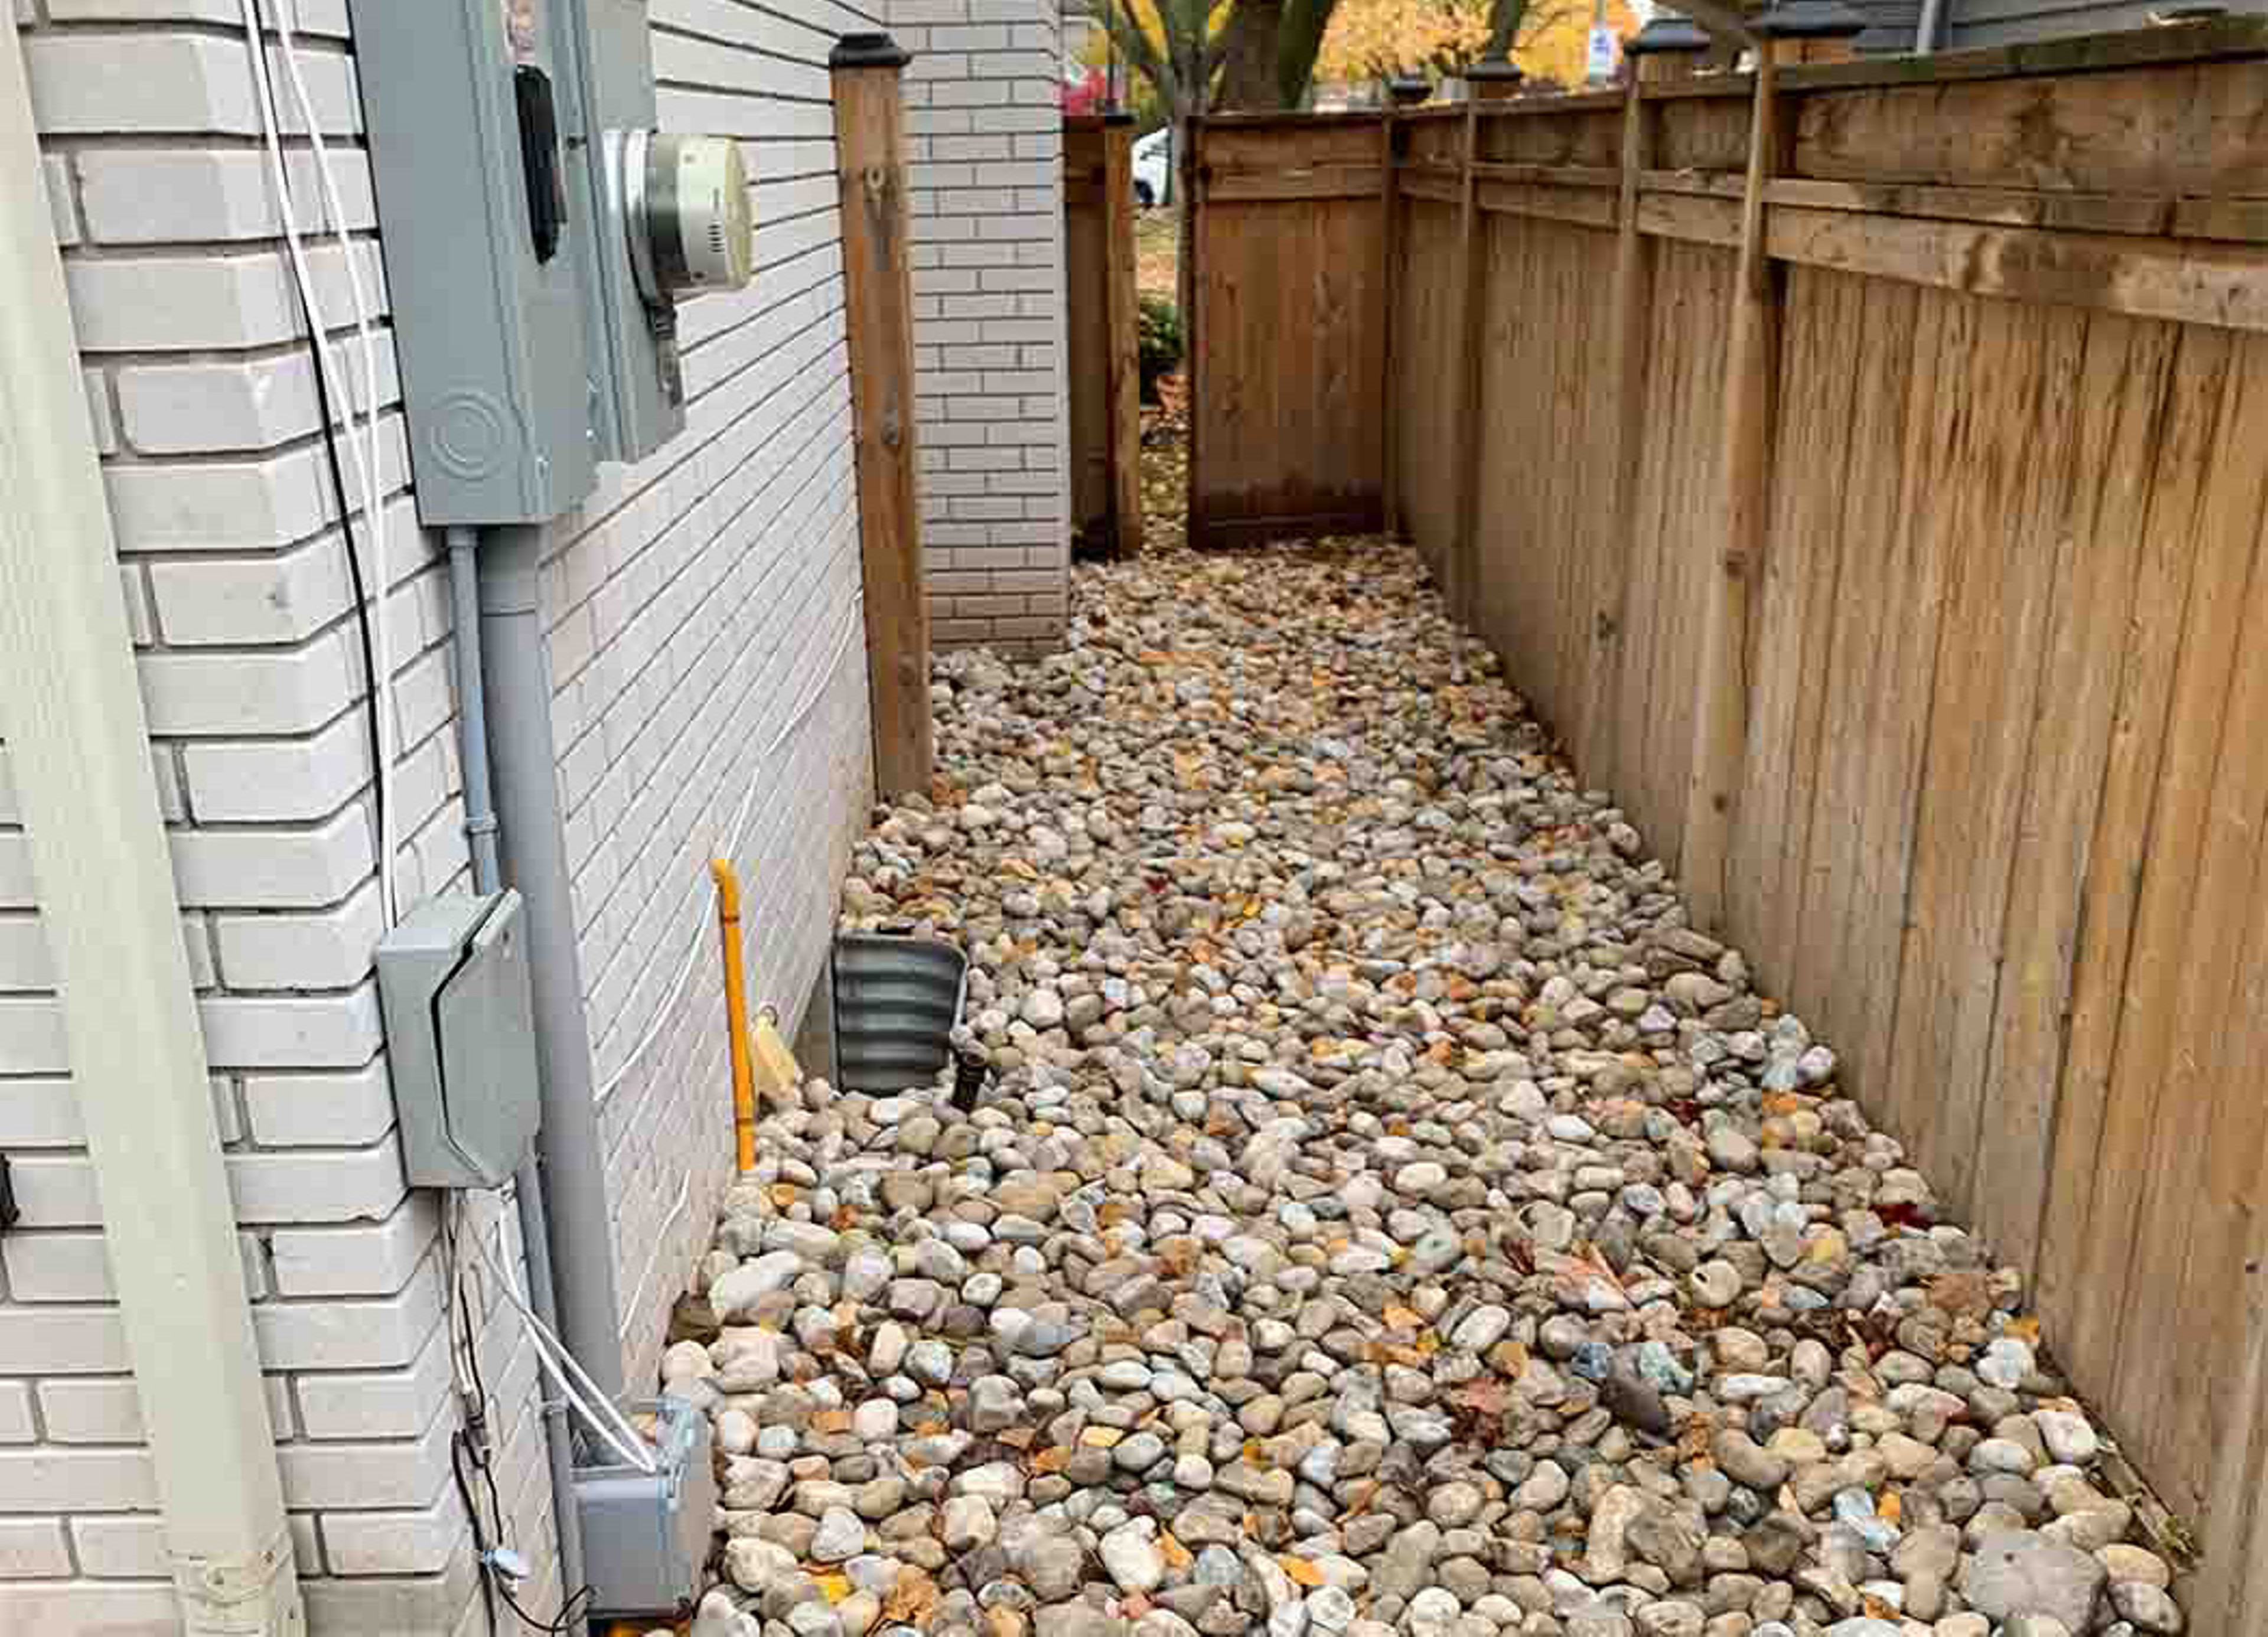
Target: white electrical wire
[342, 391]
[735, 835]
[612, 1426]
[326, 181]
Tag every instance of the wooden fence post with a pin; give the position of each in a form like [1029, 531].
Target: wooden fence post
[1191, 179]
[1461, 561]
[1488, 81]
[870, 146]
[1721, 708]
[1122, 315]
[1665, 49]
[1389, 188]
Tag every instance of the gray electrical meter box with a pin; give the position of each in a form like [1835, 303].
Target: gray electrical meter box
[461, 1040]
[539, 234]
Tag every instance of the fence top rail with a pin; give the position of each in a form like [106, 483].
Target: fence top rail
[1250, 121]
[1550, 102]
[2204, 41]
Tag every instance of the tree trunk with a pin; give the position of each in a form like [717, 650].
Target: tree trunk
[1248, 79]
[1504, 19]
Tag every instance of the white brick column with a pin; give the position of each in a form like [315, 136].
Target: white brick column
[985, 123]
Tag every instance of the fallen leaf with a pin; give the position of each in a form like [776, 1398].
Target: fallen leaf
[1403, 1319]
[1889, 1508]
[1050, 1460]
[1487, 1394]
[831, 1421]
[835, 1587]
[1177, 1556]
[913, 1599]
[1017, 1437]
[1301, 1571]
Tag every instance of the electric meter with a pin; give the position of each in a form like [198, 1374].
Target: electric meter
[685, 209]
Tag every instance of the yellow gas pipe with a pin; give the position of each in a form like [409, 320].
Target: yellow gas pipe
[736, 1012]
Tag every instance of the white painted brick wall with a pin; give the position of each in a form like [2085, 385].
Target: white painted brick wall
[708, 661]
[703, 632]
[986, 135]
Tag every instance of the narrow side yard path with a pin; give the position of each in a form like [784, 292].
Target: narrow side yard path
[1387, 1216]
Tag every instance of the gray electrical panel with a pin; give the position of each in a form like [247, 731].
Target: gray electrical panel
[539, 233]
[453, 980]
[488, 329]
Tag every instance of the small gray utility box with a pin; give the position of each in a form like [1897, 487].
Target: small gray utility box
[646, 1535]
[461, 1040]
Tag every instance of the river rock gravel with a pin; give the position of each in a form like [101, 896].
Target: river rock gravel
[1386, 1215]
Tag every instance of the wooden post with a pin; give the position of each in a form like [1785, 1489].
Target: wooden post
[1122, 315]
[1721, 704]
[1461, 579]
[870, 146]
[1633, 313]
[1490, 80]
[1193, 369]
[1390, 147]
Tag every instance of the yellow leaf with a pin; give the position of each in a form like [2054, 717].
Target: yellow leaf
[2025, 1330]
[1100, 1437]
[1177, 1556]
[836, 1587]
[1403, 1319]
[1302, 1572]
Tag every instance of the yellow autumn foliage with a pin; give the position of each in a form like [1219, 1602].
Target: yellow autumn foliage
[1371, 39]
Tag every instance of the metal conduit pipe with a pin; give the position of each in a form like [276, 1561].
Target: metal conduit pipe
[487, 877]
[524, 766]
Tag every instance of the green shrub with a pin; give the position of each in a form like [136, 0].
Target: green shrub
[1161, 326]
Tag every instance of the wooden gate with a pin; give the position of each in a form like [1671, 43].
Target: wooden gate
[1287, 340]
[1106, 405]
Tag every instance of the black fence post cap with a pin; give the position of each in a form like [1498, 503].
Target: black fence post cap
[871, 50]
[1808, 20]
[1669, 32]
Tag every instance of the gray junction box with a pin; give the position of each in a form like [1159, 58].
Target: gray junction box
[461, 1040]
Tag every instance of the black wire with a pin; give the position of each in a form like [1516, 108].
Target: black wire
[458, 1446]
[574, 1612]
[346, 530]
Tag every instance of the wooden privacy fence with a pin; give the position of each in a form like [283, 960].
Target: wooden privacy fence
[1105, 377]
[1863, 466]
